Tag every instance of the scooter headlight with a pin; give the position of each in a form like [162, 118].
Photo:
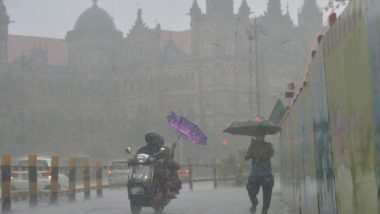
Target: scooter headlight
[137, 190]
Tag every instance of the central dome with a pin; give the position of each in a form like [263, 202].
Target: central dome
[94, 23]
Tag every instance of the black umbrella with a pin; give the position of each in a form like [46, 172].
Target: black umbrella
[252, 128]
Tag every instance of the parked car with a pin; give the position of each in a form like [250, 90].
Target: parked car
[118, 173]
[20, 177]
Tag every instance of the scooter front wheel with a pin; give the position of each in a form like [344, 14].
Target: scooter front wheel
[158, 210]
[135, 208]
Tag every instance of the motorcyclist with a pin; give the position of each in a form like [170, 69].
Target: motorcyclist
[167, 169]
[154, 142]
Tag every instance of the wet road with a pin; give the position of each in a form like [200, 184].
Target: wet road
[203, 200]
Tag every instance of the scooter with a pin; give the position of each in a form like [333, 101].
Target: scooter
[144, 189]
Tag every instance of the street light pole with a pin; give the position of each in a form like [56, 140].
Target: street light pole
[250, 38]
[253, 35]
[256, 36]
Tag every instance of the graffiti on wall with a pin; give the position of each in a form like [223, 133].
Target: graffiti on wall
[342, 154]
[344, 90]
[373, 20]
[322, 141]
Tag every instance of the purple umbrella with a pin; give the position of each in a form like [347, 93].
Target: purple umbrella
[186, 129]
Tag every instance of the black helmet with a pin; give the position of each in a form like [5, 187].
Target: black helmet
[152, 138]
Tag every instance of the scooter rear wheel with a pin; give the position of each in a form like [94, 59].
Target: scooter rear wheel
[158, 210]
[135, 208]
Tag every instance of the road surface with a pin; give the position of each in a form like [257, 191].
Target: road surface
[203, 199]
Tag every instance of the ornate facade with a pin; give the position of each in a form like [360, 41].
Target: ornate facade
[114, 88]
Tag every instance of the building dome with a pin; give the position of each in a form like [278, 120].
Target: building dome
[94, 23]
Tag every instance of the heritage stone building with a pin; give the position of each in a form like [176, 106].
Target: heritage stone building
[96, 91]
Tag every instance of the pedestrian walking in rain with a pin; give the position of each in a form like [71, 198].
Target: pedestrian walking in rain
[260, 153]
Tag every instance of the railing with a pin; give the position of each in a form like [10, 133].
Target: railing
[212, 167]
[80, 177]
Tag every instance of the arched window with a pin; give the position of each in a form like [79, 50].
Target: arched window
[207, 75]
[100, 125]
[208, 113]
[190, 113]
[206, 42]
[90, 125]
[80, 126]
[180, 112]
[207, 109]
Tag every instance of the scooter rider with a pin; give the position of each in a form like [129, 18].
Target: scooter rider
[147, 186]
[154, 142]
[167, 173]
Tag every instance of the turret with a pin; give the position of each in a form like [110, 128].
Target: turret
[274, 8]
[310, 15]
[219, 7]
[196, 21]
[142, 43]
[195, 12]
[4, 22]
[288, 19]
[244, 10]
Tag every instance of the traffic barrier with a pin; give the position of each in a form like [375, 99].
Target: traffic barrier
[214, 179]
[214, 175]
[99, 180]
[6, 183]
[72, 178]
[190, 174]
[32, 165]
[54, 180]
[34, 194]
[86, 179]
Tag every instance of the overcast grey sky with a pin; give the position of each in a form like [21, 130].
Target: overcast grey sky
[53, 18]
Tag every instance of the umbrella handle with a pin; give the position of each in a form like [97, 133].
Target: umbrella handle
[174, 145]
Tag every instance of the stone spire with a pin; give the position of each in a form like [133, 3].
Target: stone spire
[219, 7]
[244, 9]
[310, 14]
[287, 9]
[196, 24]
[4, 22]
[158, 30]
[274, 8]
[310, 6]
[139, 20]
[195, 10]
[4, 18]
[287, 15]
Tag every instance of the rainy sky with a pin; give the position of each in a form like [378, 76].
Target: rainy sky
[53, 18]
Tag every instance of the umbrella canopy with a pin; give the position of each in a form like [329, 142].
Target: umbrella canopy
[252, 128]
[186, 129]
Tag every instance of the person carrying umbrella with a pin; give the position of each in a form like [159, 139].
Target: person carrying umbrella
[260, 153]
